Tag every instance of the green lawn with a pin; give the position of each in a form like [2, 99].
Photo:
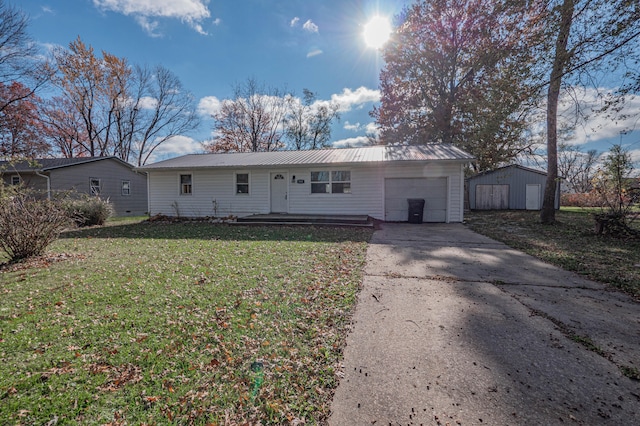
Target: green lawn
[571, 243]
[192, 323]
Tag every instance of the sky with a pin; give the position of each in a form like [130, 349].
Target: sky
[213, 45]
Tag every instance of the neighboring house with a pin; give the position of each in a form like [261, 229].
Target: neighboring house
[108, 177]
[512, 187]
[374, 181]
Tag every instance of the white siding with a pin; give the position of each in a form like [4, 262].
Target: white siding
[213, 193]
[366, 197]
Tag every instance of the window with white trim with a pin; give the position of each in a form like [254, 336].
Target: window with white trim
[331, 182]
[242, 183]
[15, 180]
[186, 184]
[94, 184]
[126, 187]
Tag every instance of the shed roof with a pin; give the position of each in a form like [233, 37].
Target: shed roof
[46, 164]
[372, 154]
[511, 166]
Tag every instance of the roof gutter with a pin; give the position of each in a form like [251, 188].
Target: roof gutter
[48, 183]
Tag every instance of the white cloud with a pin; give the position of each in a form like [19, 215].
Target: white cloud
[590, 126]
[47, 9]
[147, 102]
[294, 21]
[175, 146]
[192, 12]
[372, 129]
[351, 127]
[209, 105]
[352, 142]
[217, 21]
[313, 53]
[310, 26]
[350, 99]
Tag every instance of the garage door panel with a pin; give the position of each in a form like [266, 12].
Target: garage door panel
[432, 190]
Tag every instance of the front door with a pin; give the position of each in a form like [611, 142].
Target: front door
[279, 187]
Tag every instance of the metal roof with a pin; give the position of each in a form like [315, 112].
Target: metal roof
[372, 154]
[45, 164]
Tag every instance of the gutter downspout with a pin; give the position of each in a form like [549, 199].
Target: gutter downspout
[48, 184]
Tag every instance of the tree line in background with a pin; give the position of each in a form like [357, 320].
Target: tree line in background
[103, 105]
[106, 106]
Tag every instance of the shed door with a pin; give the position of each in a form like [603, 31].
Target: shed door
[432, 190]
[492, 197]
[279, 188]
[533, 196]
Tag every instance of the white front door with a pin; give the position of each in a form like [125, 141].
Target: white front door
[279, 187]
[532, 197]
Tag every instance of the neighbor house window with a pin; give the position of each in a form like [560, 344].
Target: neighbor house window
[331, 182]
[15, 180]
[94, 184]
[185, 184]
[242, 183]
[126, 187]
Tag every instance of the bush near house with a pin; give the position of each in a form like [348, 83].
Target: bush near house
[28, 224]
[86, 210]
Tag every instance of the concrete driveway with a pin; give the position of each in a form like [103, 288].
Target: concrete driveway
[454, 328]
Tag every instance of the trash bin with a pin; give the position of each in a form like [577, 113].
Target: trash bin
[416, 209]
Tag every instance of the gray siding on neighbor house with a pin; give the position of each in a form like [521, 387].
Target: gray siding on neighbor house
[516, 178]
[111, 174]
[33, 181]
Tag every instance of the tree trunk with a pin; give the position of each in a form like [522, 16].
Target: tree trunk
[560, 61]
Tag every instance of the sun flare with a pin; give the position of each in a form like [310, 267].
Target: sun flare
[377, 31]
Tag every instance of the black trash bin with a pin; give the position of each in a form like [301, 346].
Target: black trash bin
[416, 209]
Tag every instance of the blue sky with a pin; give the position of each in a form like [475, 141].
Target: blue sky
[212, 45]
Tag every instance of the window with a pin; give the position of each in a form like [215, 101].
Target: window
[15, 180]
[126, 187]
[94, 184]
[185, 184]
[242, 183]
[335, 182]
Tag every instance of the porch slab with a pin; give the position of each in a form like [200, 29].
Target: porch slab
[305, 219]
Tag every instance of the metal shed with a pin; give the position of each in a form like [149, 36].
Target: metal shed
[513, 187]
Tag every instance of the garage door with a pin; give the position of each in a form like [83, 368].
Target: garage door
[432, 190]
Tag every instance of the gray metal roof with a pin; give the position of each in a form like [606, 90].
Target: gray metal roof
[45, 164]
[372, 154]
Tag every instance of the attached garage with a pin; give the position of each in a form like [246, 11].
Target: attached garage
[398, 190]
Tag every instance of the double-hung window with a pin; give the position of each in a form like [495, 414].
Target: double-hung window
[185, 184]
[126, 187]
[94, 184]
[242, 183]
[331, 182]
[15, 180]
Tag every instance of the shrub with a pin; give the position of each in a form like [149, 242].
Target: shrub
[587, 199]
[28, 224]
[87, 210]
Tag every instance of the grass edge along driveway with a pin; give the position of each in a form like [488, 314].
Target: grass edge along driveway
[187, 323]
[570, 243]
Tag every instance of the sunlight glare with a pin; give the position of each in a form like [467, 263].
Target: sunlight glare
[377, 31]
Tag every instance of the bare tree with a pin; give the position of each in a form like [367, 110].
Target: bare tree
[576, 167]
[122, 110]
[17, 55]
[308, 123]
[589, 37]
[252, 121]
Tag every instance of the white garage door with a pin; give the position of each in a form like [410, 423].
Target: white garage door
[432, 190]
